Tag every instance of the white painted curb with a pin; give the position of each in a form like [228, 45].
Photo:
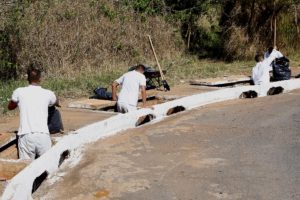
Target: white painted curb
[21, 185]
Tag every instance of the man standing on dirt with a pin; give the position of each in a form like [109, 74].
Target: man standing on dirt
[33, 102]
[132, 82]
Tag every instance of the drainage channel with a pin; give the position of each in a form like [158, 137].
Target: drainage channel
[151, 101]
[29, 179]
[10, 165]
[9, 152]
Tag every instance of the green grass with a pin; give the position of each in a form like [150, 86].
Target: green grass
[79, 86]
[6, 91]
[185, 69]
[83, 84]
[178, 70]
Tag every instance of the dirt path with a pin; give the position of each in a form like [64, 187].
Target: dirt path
[244, 149]
[72, 119]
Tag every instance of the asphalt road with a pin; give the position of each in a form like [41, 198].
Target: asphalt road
[245, 149]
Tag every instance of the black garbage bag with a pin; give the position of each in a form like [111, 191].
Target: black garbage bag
[101, 93]
[55, 124]
[281, 70]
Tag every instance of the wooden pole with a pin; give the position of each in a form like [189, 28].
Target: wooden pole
[275, 31]
[153, 50]
[275, 25]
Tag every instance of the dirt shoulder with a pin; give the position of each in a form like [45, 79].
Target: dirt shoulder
[77, 118]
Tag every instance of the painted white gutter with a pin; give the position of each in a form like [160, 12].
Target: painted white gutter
[20, 186]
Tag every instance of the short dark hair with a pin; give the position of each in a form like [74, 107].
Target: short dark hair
[140, 66]
[34, 71]
[257, 57]
[270, 49]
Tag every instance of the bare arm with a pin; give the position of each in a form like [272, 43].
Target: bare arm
[144, 95]
[57, 103]
[114, 86]
[53, 100]
[12, 105]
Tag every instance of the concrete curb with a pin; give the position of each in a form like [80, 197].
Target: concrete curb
[20, 187]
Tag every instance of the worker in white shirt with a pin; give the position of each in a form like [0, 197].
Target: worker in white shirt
[260, 73]
[132, 82]
[33, 102]
[277, 54]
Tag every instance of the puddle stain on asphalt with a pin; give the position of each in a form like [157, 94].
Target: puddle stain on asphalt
[101, 193]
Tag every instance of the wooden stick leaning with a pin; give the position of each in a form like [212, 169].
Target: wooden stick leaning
[160, 70]
[165, 83]
[275, 32]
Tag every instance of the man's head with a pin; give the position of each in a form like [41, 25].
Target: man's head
[258, 58]
[34, 73]
[140, 68]
[270, 49]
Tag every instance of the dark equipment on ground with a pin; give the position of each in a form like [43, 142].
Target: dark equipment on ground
[153, 81]
[281, 70]
[153, 77]
[55, 124]
[101, 93]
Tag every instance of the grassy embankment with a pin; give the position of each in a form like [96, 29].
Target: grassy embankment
[82, 85]
[179, 70]
[85, 44]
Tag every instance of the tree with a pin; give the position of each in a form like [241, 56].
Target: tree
[254, 20]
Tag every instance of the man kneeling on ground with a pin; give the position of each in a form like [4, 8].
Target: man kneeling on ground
[132, 82]
[260, 73]
[33, 102]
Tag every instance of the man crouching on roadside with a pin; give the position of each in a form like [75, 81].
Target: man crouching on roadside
[33, 102]
[132, 82]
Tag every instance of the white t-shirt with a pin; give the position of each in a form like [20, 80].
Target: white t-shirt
[131, 83]
[33, 102]
[276, 54]
[260, 73]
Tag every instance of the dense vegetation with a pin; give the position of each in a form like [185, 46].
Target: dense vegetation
[70, 35]
[82, 44]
